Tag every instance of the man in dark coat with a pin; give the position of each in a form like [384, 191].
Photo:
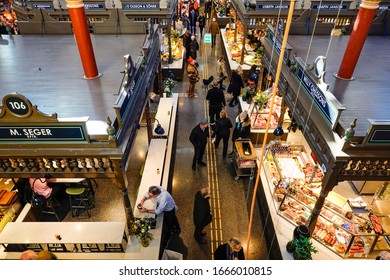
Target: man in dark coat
[198, 138]
[232, 250]
[202, 214]
[217, 102]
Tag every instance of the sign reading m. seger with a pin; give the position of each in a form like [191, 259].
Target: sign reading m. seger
[42, 133]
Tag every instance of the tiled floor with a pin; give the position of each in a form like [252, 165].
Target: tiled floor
[235, 196]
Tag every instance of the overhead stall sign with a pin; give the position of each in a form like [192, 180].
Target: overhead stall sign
[22, 122]
[134, 6]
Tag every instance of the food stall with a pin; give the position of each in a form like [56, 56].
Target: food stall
[177, 50]
[346, 226]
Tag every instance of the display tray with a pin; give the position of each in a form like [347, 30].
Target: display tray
[357, 203]
[245, 153]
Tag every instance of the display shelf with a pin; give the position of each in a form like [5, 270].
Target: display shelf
[296, 182]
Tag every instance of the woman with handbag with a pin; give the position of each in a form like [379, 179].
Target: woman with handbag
[235, 86]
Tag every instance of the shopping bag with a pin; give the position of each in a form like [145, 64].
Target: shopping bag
[171, 255]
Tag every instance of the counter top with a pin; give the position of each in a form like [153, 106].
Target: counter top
[70, 232]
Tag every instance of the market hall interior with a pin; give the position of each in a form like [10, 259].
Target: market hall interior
[58, 61]
[52, 80]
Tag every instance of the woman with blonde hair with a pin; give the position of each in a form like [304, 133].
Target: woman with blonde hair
[222, 131]
[235, 86]
[232, 250]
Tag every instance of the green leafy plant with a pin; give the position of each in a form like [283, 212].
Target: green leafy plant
[290, 246]
[141, 227]
[304, 248]
[168, 86]
[261, 99]
[175, 34]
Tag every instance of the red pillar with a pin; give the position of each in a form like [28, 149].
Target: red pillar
[367, 10]
[83, 39]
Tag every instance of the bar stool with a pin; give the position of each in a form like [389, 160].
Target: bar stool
[90, 186]
[79, 202]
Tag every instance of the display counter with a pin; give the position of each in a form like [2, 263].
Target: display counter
[222, 20]
[10, 205]
[178, 55]
[294, 182]
[231, 58]
[259, 120]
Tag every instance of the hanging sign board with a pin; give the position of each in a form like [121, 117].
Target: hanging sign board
[95, 6]
[43, 6]
[139, 6]
[20, 121]
[42, 133]
[328, 110]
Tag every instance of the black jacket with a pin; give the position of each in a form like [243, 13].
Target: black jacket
[223, 253]
[198, 137]
[202, 21]
[223, 126]
[242, 130]
[216, 97]
[202, 214]
[236, 84]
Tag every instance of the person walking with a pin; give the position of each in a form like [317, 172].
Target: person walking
[242, 128]
[222, 131]
[221, 70]
[201, 214]
[164, 204]
[194, 47]
[193, 76]
[232, 250]
[192, 17]
[198, 138]
[235, 86]
[207, 8]
[202, 23]
[214, 30]
[186, 41]
[217, 102]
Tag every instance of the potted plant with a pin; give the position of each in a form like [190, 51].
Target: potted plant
[290, 246]
[261, 99]
[141, 227]
[303, 249]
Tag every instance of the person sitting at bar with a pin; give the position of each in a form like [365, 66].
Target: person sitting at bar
[41, 186]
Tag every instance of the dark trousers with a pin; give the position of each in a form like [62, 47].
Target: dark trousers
[213, 40]
[201, 32]
[171, 221]
[214, 110]
[198, 233]
[225, 139]
[234, 100]
[198, 156]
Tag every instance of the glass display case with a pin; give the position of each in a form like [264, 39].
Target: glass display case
[296, 182]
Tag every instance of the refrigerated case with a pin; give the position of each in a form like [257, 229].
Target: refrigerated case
[295, 181]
